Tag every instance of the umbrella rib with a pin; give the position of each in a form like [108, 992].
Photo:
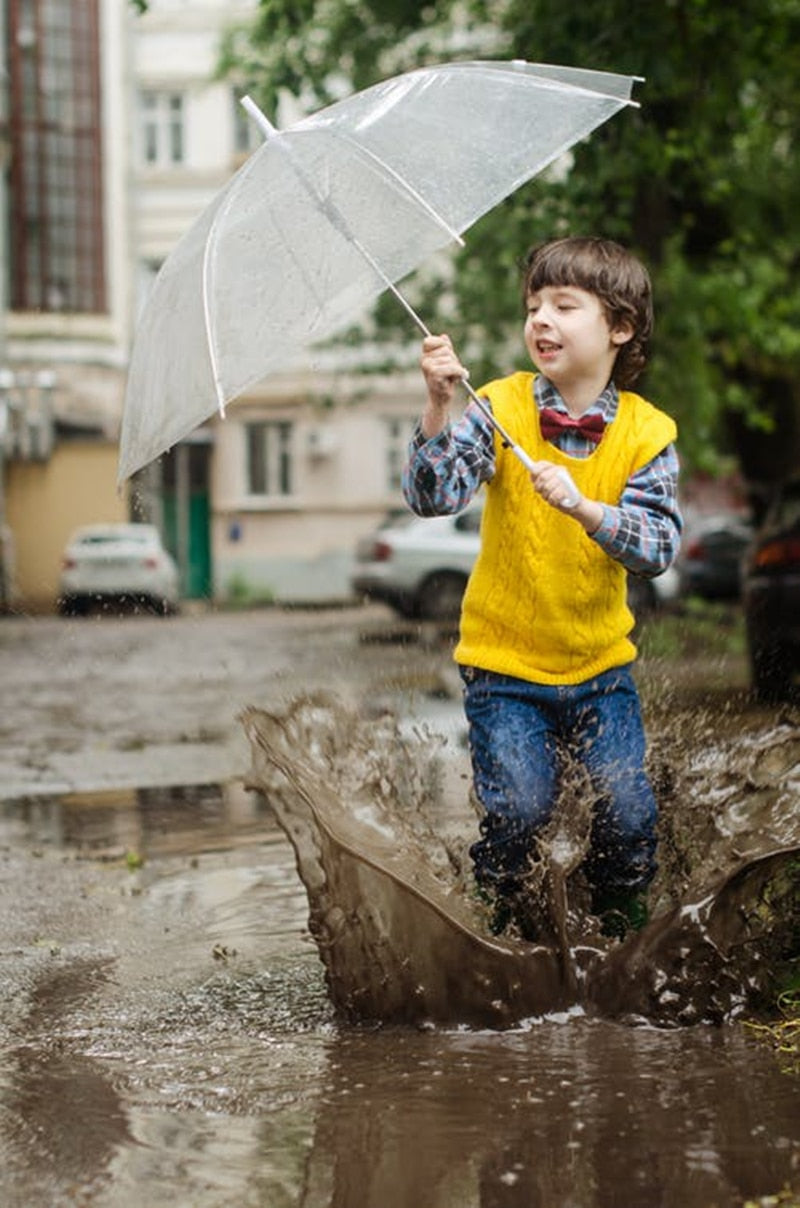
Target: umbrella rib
[400, 181]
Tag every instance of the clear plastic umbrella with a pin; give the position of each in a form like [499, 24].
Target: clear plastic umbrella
[328, 214]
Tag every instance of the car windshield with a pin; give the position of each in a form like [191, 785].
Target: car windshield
[113, 538]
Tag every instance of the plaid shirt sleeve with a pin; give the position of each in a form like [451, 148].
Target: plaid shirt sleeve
[443, 474]
[643, 531]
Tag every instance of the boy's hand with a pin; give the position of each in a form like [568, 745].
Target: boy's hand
[556, 487]
[442, 371]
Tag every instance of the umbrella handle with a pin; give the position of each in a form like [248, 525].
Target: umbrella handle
[573, 495]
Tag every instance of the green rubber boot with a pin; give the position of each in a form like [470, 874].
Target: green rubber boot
[620, 913]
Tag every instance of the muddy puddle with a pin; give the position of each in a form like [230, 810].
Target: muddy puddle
[175, 1032]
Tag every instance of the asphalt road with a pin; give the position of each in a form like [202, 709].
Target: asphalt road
[89, 704]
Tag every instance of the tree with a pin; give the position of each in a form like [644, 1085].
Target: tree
[703, 181]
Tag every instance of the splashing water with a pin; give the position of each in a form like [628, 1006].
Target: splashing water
[380, 846]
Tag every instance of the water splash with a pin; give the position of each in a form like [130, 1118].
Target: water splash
[382, 856]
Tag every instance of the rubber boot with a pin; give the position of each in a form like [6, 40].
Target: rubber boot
[620, 913]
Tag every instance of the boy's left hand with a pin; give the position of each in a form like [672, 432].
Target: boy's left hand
[556, 487]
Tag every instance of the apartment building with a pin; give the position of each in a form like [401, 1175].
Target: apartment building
[119, 132]
[65, 316]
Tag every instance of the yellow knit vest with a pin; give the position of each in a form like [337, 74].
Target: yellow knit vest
[544, 602]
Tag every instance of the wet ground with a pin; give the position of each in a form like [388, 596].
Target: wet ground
[166, 1034]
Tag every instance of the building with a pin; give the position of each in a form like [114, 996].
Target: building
[120, 133]
[65, 316]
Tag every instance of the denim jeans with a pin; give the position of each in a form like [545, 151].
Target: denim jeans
[516, 730]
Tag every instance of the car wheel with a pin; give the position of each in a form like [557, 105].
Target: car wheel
[408, 610]
[770, 674]
[439, 598]
[73, 606]
[165, 608]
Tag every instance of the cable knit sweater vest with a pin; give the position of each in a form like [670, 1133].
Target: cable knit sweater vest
[544, 602]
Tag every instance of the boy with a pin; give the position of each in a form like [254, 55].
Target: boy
[544, 648]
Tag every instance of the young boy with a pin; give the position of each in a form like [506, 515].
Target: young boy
[544, 648]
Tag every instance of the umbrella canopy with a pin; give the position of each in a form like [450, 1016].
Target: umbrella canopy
[328, 214]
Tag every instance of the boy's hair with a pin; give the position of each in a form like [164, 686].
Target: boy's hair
[614, 275]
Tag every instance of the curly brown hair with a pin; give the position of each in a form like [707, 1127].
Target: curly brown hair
[614, 275]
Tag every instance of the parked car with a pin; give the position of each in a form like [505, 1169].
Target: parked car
[710, 564]
[771, 595]
[117, 564]
[419, 566]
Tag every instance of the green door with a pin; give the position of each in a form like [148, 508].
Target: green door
[187, 516]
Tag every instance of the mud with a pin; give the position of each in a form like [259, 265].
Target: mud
[167, 1030]
[393, 913]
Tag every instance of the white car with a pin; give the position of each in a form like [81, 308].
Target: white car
[419, 566]
[120, 563]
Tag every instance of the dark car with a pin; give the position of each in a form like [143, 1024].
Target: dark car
[771, 594]
[710, 563]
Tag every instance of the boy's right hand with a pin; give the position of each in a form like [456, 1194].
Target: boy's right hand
[442, 371]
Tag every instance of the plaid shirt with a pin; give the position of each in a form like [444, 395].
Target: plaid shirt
[642, 531]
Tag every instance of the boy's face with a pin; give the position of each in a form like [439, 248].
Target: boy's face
[568, 337]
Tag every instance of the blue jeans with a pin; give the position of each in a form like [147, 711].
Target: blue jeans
[516, 730]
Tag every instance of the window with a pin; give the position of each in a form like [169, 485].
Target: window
[55, 185]
[398, 434]
[269, 458]
[161, 128]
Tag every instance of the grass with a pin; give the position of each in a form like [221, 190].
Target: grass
[694, 628]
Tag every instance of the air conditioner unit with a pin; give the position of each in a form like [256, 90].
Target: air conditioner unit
[322, 440]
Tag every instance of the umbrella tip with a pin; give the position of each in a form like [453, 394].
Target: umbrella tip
[261, 119]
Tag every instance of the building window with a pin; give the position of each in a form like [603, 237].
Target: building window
[55, 203]
[398, 434]
[269, 458]
[162, 128]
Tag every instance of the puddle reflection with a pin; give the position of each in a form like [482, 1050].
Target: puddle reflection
[560, 1115]
[170, 820]
[580, 1113]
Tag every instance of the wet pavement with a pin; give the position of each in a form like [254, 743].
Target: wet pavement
[167, 1037]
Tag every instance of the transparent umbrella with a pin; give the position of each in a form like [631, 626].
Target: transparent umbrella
[328, 214]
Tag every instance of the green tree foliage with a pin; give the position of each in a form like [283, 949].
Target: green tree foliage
[703, 181]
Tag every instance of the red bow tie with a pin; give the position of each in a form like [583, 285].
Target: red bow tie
[553, 422]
